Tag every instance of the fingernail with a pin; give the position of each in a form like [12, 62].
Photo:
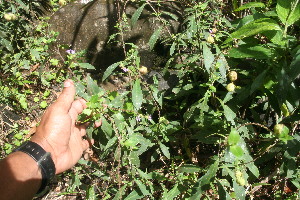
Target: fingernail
[67, 84]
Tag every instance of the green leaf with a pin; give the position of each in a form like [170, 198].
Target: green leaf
[233, 137]
[173, 16]
[137, 95]
[205, 180]
[258, 81]
[208, 58]
[288, 11]
[223, 194]
[106, 128]
[250, 5]
[172, 48]
[237, 150]
[35, 53]
[86, 66]
[229, 114]
[189, 168]
[23, 102]
[249, 51]
[164, 149]
[91, 195]
[142, 188]
[253, 28]
[294, 70]
[109, 70]
[92, 87]
[80, 91]
[137, 15]
[154, 37]
[134, 195]
[43, 104]
[174, 192]
[120, 193]
[110, 142]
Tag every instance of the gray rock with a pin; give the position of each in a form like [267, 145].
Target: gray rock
[87, 25]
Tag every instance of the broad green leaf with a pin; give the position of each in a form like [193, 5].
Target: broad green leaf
[222, 66]
[189, 168]
[7, 44]
[35, 53]
[239, 191]
[137, 95]
[229, 114]
[120, 193]
[80, 91]
[109, 70]
[106, 128]
[92, 87]
[137, 14]
[164, 149]
[288, 12]
[248, 51]
[111, 142]
[134, 159]
[90, 194]
[223, 194]
[258, 81]
[142, 188]
[86, 66]
[236, 150]
[205, 180]
[119, 122]
[208, 58]
[154, 37]
[294, 70]
[233, 137]
[174, 192]
[134, 195]
[250, 5]
[253, 28]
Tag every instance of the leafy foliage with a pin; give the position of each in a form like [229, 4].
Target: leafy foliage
[197, 138]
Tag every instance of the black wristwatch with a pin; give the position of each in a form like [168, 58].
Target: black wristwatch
[43, 160]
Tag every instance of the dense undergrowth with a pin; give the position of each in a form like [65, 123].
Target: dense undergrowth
[227, 127]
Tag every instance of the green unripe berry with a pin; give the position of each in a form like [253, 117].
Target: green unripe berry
[278, 128]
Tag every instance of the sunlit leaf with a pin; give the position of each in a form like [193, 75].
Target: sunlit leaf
[137, 95]
[250, 5]
[137, 14]
[153, 39]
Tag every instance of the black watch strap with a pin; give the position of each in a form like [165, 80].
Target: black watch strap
[43, 160]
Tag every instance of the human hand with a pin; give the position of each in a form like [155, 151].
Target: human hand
[58, 132]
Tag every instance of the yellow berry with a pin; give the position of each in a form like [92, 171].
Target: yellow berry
[230, 87]
[10, 16]
[240, 178]
[62, 2]
[278, 129]
[214, 30]
[143, 70]
[210, 39]
[241, 181]
[232, 76]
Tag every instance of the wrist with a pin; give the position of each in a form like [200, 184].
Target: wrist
[46, 146]
[42, 159]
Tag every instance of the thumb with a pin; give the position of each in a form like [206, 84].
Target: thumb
[66, 98]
